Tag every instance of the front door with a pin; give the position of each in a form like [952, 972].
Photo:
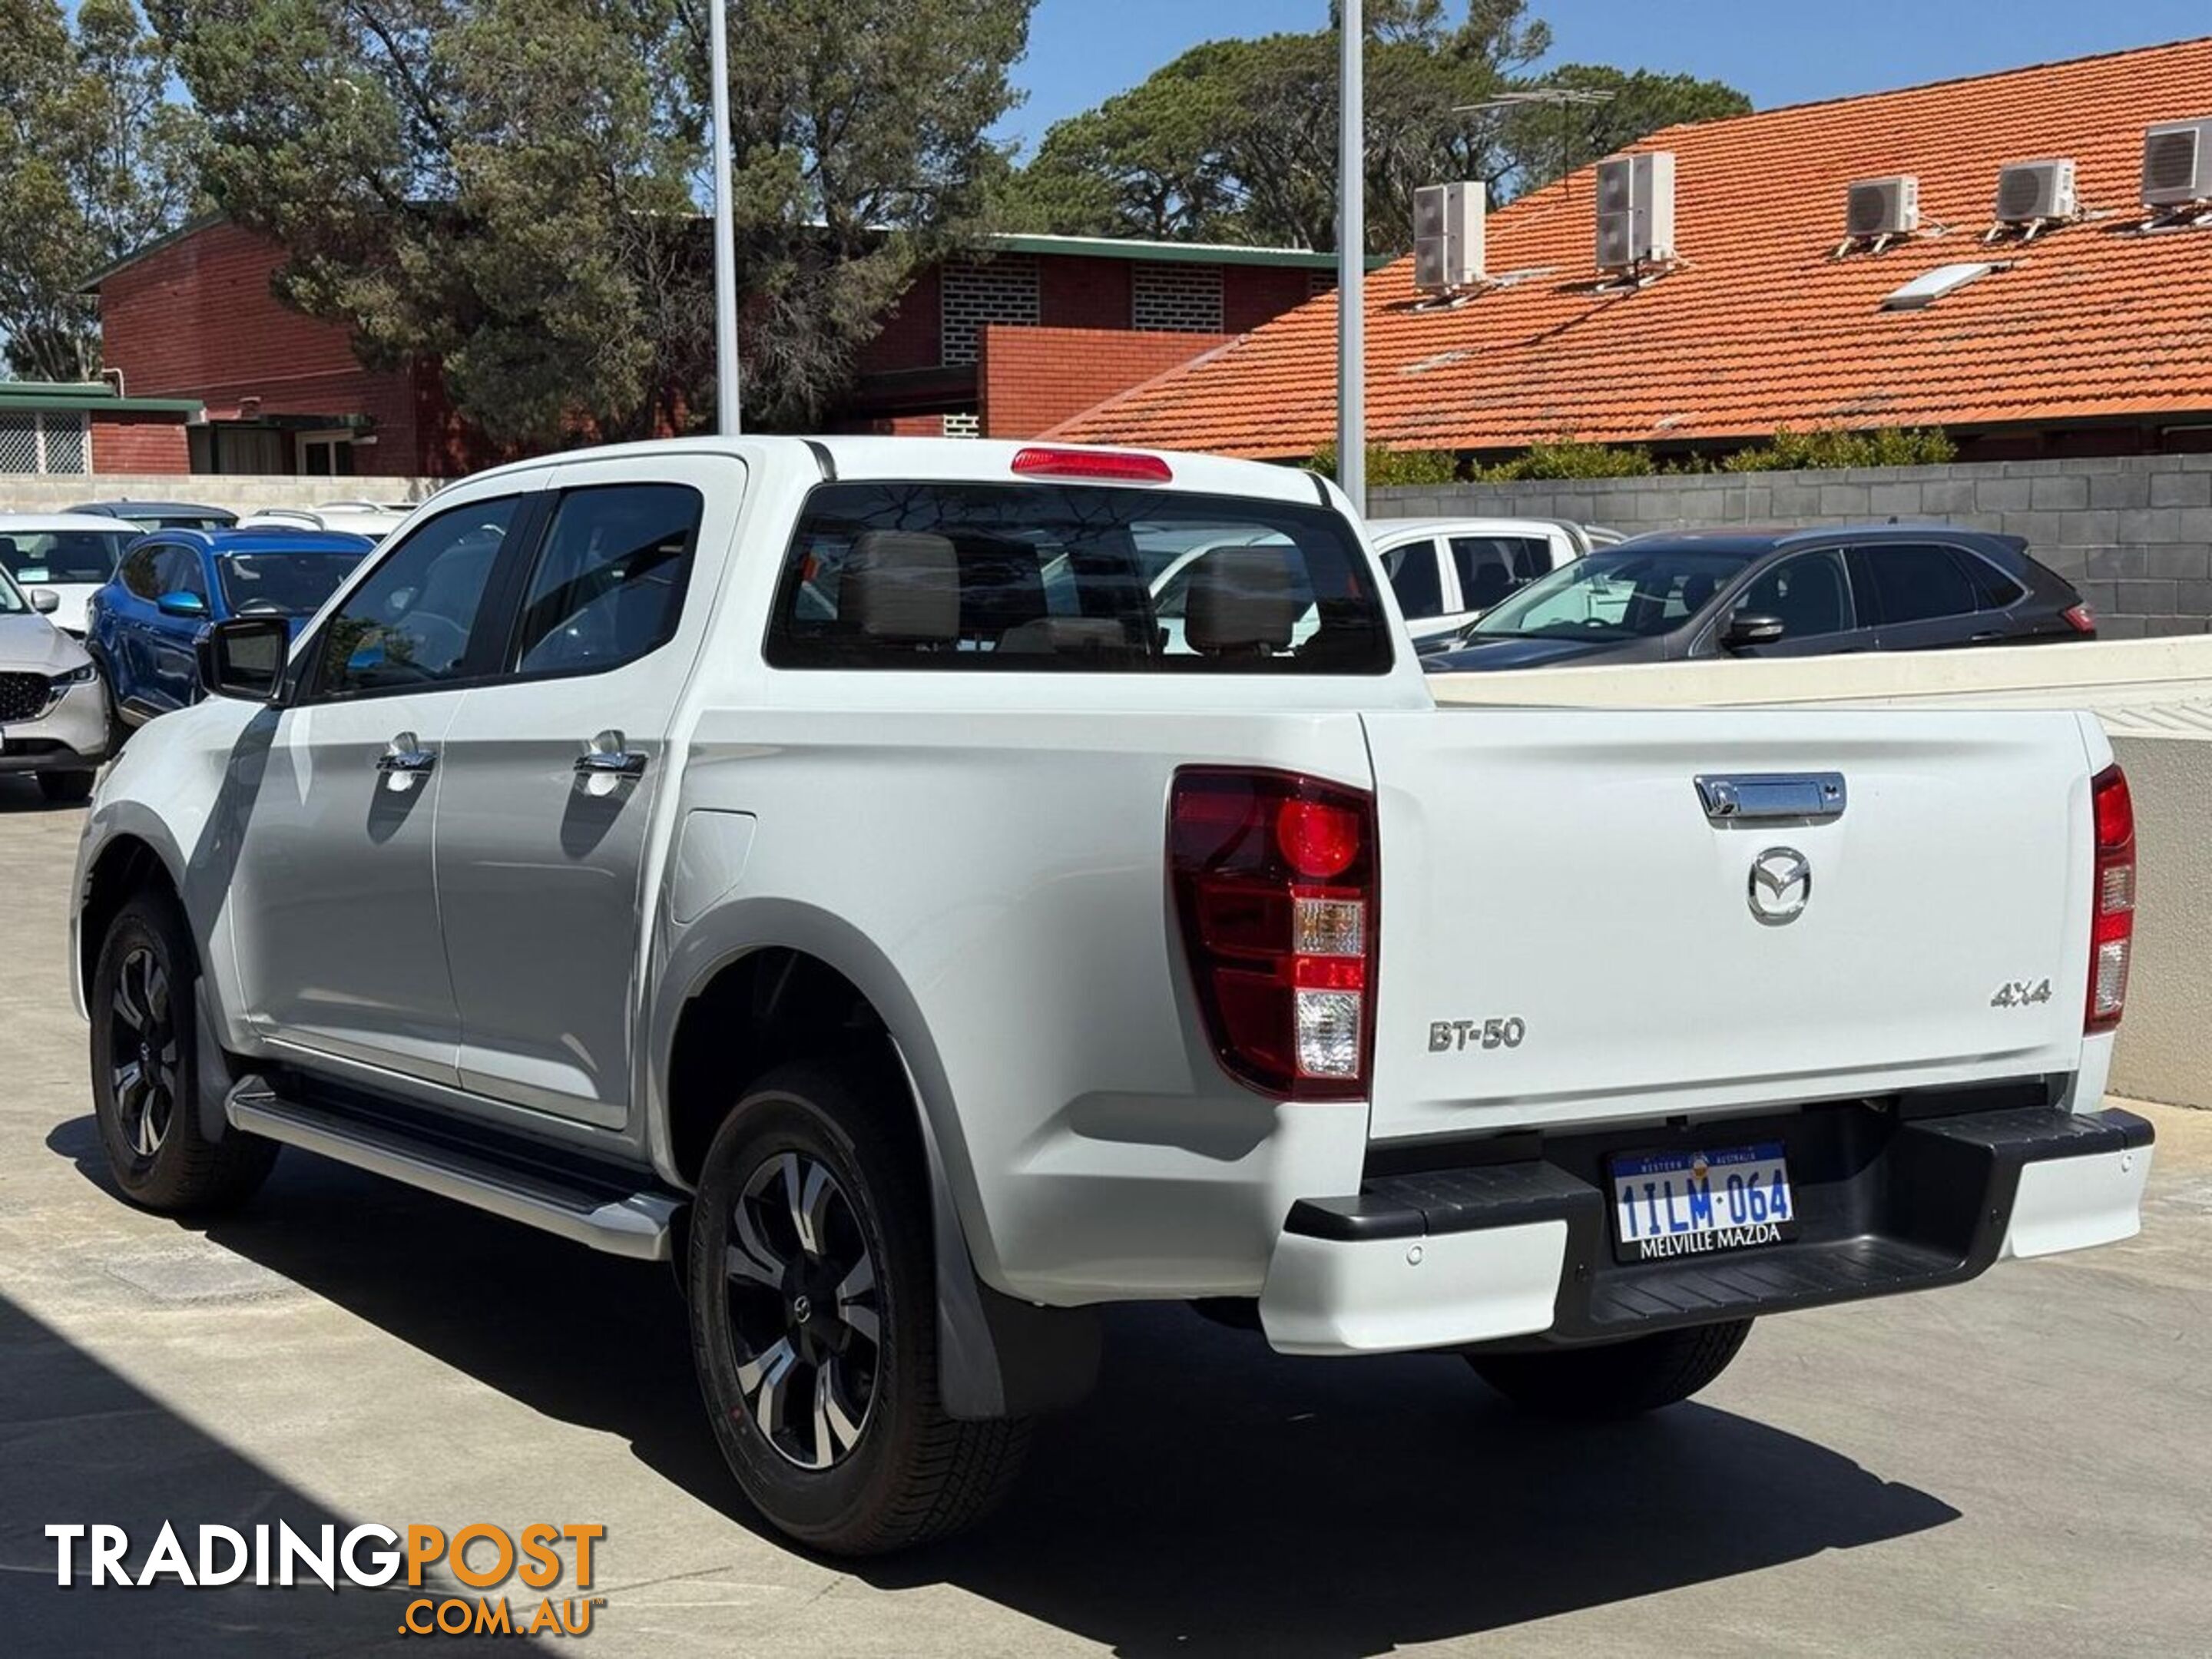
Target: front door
[551, 777]
[335, 903]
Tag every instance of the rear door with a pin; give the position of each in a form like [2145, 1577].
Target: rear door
[1924, 597]
[1555, 876]
[552, 774]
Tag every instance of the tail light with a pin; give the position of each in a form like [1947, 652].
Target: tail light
[2112, 910]
[2081, 618]
[1274, 888]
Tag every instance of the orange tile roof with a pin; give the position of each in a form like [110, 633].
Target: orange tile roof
[1759, 326]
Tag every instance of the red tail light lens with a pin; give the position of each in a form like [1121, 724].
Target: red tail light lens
[2112, 901]
[1273, 876]
[1119, 465]
[2081, 618]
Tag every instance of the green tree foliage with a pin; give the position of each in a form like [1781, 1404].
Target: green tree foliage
[1570, 458]
[511, 187]
[1826, 448]
[95, 159]
[1237, 139]
[1393, 466]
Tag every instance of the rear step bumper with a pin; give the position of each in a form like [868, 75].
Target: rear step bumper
[1450, 1257]
[597, 1213]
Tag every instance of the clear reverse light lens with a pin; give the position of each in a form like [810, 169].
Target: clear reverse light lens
[2117, 891]
[1328, 1033]
[2108, 988]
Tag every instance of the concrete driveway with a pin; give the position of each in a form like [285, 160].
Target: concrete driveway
[2022, 1465]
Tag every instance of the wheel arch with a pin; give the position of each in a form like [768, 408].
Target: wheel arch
[998, 1356]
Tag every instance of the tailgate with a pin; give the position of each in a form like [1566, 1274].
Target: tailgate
[1566, 935]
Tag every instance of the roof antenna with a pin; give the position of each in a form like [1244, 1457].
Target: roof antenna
[1560, 97]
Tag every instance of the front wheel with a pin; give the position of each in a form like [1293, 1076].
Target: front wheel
[812, 1282]
[143, 999]
[1617, 1379]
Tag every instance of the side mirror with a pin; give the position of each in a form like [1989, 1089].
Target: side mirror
[1751, 627]
[181, 603]
[244, 656]
[44, 600]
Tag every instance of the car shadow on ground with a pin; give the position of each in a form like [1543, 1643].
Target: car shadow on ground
[20, 793]
[78, 1443]
[1212, 1497]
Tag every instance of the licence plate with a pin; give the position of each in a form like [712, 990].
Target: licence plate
[1679, 1204]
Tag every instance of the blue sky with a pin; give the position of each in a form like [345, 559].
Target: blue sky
[1780, 51]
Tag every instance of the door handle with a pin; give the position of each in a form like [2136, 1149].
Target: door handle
[609, 756]
[404, 760]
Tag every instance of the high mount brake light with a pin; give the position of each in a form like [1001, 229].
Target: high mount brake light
[2112, 899]
[1121, 465]
[1274, 881]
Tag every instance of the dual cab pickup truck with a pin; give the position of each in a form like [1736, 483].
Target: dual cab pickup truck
[814, 864]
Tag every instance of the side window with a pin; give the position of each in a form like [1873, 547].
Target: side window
[408, 625]
[1811, 594]
[1915, 581]
[1412, 572]
[138, 571]
[177, 570]
[609, 583]
[1993, 589]
[1491, 567]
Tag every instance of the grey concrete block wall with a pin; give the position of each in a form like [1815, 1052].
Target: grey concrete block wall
[241, 492]
[2133, 532]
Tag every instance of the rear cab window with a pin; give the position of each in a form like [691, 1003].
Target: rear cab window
[956, 577]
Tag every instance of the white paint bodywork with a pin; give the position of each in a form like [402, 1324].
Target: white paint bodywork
[982, 855]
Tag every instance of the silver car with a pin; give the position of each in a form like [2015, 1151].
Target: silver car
[54, 709]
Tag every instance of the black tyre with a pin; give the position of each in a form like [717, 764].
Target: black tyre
[66, 788]
[814, 1322]
[145, 1056]
[1618, 1379]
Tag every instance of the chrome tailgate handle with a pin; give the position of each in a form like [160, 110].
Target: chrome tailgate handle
[1763, 797]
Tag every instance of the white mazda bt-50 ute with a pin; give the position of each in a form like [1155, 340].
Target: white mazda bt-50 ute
[820, 865]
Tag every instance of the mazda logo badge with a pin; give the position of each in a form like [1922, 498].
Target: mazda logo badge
[1781, 885]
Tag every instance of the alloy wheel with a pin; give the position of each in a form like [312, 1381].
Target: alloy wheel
[143, 1052]
[804, 1321]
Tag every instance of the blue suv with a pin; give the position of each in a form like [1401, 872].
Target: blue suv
[143, 627]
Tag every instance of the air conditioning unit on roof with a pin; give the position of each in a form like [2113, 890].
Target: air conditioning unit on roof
[1883, 207]
[1634, 209]
[2177, 163]
[2029, 190]
[1448, 236]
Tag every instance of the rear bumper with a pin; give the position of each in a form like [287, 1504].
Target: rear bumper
[1521, 1248]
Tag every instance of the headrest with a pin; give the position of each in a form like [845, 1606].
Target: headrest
[1065, 636]
[1242, 598]
[901, 585]
[1696, 589]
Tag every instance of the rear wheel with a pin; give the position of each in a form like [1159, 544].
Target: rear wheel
[66, 788]
[143, 999]
[1617, 1379]
[814, 1322]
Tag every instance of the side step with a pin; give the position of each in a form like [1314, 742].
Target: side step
[637, 1224]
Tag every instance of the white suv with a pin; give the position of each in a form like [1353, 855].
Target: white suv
[1447, 572]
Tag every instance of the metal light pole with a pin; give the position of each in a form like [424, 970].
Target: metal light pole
[726, 418]
[1351, 262]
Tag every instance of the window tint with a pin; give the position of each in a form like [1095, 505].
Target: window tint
[1616, 593]
[138, 571]
[409, 623]
[1037, 577]
[1491, 567]
[1914, 581]
[177, 570]
[282, 584]
[1413, 573]
[609, 583]
[1993, 589]
[1811, 594]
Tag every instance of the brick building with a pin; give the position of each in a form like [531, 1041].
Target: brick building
[1006, 344]
[68, 430]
